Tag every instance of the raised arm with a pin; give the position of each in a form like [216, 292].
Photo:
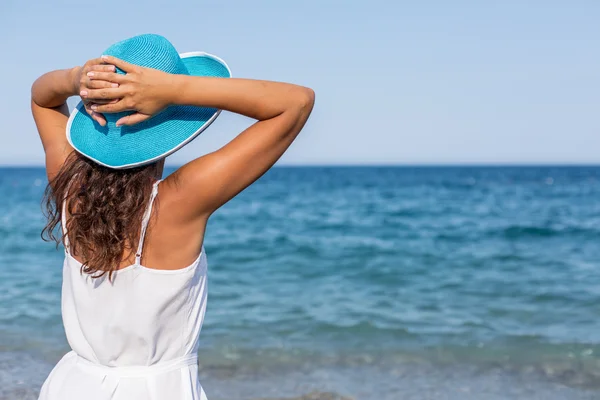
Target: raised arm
[49, 94]
[208, 182]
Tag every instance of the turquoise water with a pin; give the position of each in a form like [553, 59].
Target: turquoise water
[378, 283]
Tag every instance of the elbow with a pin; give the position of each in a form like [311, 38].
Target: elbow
[300, 103]
[306, 100]
[33, 91]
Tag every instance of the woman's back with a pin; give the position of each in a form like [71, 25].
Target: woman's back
[142, 317]
[133, 319]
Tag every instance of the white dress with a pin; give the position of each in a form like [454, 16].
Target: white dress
[135, 338]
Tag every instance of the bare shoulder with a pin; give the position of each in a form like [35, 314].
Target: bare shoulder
[177, 205]
[174, 239]
[179, 198]
[203, 185]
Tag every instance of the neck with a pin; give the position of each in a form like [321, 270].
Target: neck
[160, 167]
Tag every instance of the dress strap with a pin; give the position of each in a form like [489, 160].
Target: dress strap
[145, 220]
[64, 225]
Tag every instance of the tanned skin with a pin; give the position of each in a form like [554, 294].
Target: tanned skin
[189, 196]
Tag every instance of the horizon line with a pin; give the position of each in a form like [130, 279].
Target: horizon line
[393, 165]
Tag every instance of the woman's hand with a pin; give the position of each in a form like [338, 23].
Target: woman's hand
[83, 83]
[144, 90]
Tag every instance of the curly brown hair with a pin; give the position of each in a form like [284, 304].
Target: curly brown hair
[105, 208]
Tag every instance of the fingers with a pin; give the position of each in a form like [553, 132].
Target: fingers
[106, 76]
[132, 119]
[103, 68]
[93, 84]
[99, 118]
[94, 61]
[99, 101]
[94, 111]
[111, 107]
[103, 94]
[125, 66]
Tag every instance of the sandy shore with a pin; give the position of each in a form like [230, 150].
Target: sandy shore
[21, 376]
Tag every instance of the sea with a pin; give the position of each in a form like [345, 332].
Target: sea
[370, 283]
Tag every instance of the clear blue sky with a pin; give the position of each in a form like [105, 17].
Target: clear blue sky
[398, 82]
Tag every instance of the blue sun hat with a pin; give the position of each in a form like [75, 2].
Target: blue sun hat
[151, 140]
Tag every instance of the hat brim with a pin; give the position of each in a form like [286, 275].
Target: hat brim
[149, 141]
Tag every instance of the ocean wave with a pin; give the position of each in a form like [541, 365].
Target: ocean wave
[516, 232]
[525, 364]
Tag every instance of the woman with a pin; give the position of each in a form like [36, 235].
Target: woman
[134, 276]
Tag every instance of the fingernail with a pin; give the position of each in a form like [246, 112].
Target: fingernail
[90, 74]
[114, 85]
[104, 57]
[94, 107]
[83, 93]
[112, 68]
